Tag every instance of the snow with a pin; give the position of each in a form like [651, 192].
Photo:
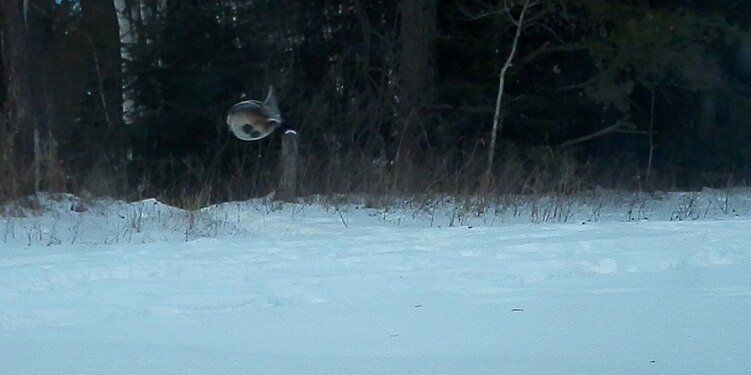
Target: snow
[611, 283]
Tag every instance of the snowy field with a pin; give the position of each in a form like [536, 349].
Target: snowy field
[607, 283]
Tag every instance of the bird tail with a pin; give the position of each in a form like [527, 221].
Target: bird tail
[272, 107]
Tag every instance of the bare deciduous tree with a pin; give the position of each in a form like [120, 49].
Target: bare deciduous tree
[497, 124]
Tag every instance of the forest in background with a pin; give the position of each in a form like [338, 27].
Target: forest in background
[127, 98]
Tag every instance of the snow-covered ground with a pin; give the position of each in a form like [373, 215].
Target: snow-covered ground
[604, 284]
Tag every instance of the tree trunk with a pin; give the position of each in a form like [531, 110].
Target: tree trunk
[137, 22]
[126, 19]
[29, 61]
[15, 63]
[103, 33]
[18, 145]
[497, 121]
[288, 166]
[416, 72]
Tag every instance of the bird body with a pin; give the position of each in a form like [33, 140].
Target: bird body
[252, 120]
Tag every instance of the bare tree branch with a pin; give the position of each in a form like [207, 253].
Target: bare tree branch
[575, 86]
[596, 134]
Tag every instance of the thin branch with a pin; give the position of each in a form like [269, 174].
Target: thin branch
[502, 8]
[492, 11]
[575, 86]
[545, 48]
[479, 16]
[596, 134]
[635, 132]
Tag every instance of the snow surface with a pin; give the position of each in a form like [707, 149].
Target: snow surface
[606, 284]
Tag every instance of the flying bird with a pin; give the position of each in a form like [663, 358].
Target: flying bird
[252, 120]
